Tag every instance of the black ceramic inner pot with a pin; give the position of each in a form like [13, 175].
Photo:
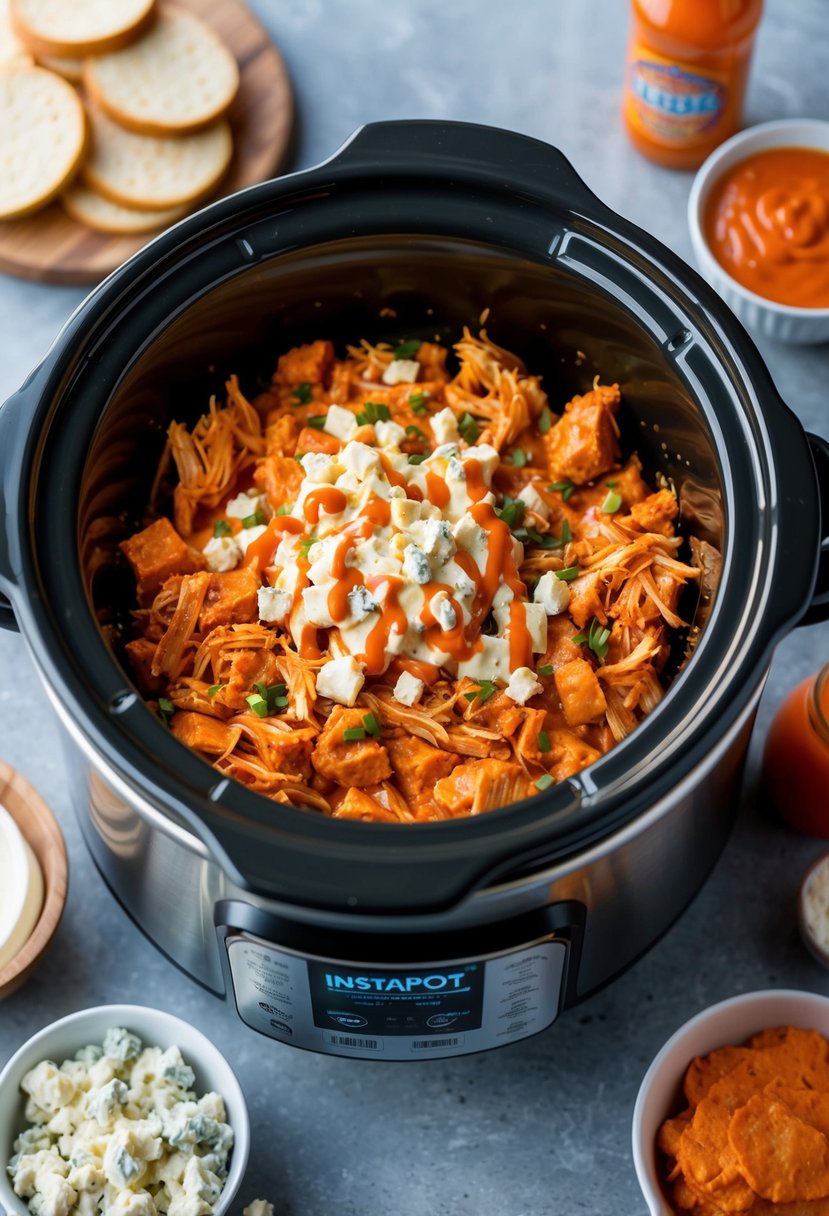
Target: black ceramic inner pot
[411, 229]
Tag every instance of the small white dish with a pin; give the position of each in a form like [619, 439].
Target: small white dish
[21, 889]
[60, 1040]
[730, 1022]
[42, 836]
[782, 322]
[813, 910]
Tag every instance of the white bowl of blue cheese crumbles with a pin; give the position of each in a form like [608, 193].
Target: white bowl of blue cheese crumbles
[120, 1110]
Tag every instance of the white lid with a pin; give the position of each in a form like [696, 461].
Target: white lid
[21, 889]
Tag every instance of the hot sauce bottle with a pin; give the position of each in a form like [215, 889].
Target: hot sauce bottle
[687, 67]
[796, 757]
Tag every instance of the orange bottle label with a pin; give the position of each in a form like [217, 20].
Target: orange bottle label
[672, 103]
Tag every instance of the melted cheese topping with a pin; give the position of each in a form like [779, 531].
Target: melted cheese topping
[402, 558]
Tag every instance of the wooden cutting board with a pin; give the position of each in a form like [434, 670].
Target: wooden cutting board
[52, 248]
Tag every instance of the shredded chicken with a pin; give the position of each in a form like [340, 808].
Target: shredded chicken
[239, 691]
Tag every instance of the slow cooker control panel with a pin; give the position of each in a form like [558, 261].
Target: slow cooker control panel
[397, 1013]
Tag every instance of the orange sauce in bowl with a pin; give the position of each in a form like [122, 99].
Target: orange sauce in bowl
[767, 224]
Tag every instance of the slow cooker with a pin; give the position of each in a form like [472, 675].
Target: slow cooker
[373, 940]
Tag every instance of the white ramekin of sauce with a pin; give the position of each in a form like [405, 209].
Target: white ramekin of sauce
[759, 219]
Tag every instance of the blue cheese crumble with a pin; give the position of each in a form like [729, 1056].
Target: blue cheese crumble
[119, 1131]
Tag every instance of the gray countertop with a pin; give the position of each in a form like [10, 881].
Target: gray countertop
[544, 1126]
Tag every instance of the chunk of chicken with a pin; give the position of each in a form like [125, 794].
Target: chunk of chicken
[309, 364]
[418, 765]
[656, 513]
[230, 599]
[279, 478]
[359, 762]
[584, 442]
[155, 554]
[481, 785]
[581, 695]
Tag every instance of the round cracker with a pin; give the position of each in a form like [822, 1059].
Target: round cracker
[12, 51]
[152, 173]
[92, 209]
[179, 77]
[42, 139]
[77, 28]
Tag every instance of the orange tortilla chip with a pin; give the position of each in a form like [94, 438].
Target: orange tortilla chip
[782, 1158]
[756, 1134]
[709, 1162]
[812, 1106]
[705, 1071]
[668, 1135]
[766, 1067]
[749, 1078]
[800, 1207]
[791, 1036]
[685, 1199]
[808, 1047]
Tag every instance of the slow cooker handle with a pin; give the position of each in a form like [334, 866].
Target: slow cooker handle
[419, 146]
[818, 609]
[7, 618]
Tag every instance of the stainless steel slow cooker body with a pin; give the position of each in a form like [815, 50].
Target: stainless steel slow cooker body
[387, 942]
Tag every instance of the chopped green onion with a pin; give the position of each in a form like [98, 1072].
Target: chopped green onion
[535, 538]
[298, 456]
[597, 639]
[543, 741]
[371, 724]
[544, 539]
[213, 689]
[567, 574]
[353, 734]
[485, 690]
[519, 458]
[222, 528]
[306, 543]
[611, 484]
[285, 509]
[317, 421]
[564, 488]
[268, 698]
[302, 392]
[545, 421]
[417, 403]
[256, 520]
[407, 350]
[417, 458]
[544, 782]
[512, 511]
[166, 708]
[373, 411]
[546, 669]
[415, 431]
[258, 704]
[612, 502]
[468, 427]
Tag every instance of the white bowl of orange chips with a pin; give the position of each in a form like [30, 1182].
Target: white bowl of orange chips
[733, 1113]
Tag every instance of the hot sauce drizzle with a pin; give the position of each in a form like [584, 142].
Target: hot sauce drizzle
[326, 498]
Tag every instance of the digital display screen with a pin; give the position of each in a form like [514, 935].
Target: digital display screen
[397, 1001]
